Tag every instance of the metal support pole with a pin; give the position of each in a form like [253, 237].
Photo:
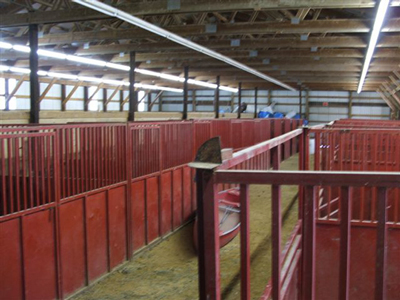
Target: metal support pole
[121, 100]
[104, 100]
[86, 98]
[185, 93]
[350, 110]
[148, 101]
[133, 101]
[208, 236]
[255, 102]
[300, 106]
[34, 78]
[7, 93]
[239, 100]
[63, 96]
[216, 106]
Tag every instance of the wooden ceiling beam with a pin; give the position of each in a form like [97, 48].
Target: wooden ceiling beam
[270, 27]
[78, 14]
[386, 41]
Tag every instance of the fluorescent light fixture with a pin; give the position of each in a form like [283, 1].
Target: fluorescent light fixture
[96, 62]
[85, 60]
[42, 73]
[160, 75]
[90, 79]
[4, 68]
[202, 83]
[229, 89]
[62, 75]
[117, 66]
[111, 11]
[380, 16]
[51, 54]
[22, 48]
[4, 45]
[154, 87]
[20, 70]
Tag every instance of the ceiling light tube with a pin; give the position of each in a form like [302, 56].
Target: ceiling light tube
[96, 62]
[380, 16]
[22, 48]
[90, 79]
[112, 11]
[4, 45]
[51, 54]
[85, 60]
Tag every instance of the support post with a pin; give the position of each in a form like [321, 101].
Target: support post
[276, 153]
[381, 244]
[255, 102]
[104, 100]
[300, 106]
[7, 93]
[185, 93]
[121, 100]
[350, 109]
[133, 101]
[208, 235]
[63, 96]
[86, 98]
[269, 97]
[149, 101]
[345, 238]
[307, 105]
[193, 100]
[34, 78]
[216, 106]
[239, 100]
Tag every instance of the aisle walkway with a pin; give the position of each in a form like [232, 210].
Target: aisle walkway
[169, 270]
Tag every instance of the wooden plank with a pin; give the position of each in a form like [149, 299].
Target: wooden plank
[47, 89]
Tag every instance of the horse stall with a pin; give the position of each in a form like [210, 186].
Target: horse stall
[346, 242]
[79, 200]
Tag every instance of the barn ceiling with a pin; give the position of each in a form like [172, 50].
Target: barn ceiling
[312, 43]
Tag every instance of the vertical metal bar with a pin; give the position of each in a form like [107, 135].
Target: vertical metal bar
[42, 163]
[3, 176]
[185, 93]
[208, 235]
[49, 197]
[255, 102]
[276, 227]
[17, 174]
[216, 106]
[34, 78]
[239, 100]
[244, 242]
[133, 101]
[30, 171]
[23, 177]
[63, 96]
[381, 244]
[345, 237]
[309, 244]
[104, 100]
[10, 176]
[86, 98]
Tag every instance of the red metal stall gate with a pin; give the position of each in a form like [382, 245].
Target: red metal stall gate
[78, 200]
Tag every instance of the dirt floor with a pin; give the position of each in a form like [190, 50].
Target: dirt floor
[169, 270]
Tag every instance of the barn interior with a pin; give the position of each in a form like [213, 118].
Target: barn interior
[133, 131]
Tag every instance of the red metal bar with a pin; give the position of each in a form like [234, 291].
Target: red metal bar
[208, 234]
[381, 244]
[345, 237]
[309, 244]
[244, 242]
[276, 228]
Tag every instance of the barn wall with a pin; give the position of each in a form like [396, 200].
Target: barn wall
[317, 106]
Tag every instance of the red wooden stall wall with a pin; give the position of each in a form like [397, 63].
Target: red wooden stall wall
[78, 200]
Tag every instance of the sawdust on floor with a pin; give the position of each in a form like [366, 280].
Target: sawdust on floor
[169, 270]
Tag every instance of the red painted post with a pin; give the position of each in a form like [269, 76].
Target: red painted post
[244, 242]
[308, 252]
[276, 228]
[208, 235]
[345, 237]
[381, 244]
